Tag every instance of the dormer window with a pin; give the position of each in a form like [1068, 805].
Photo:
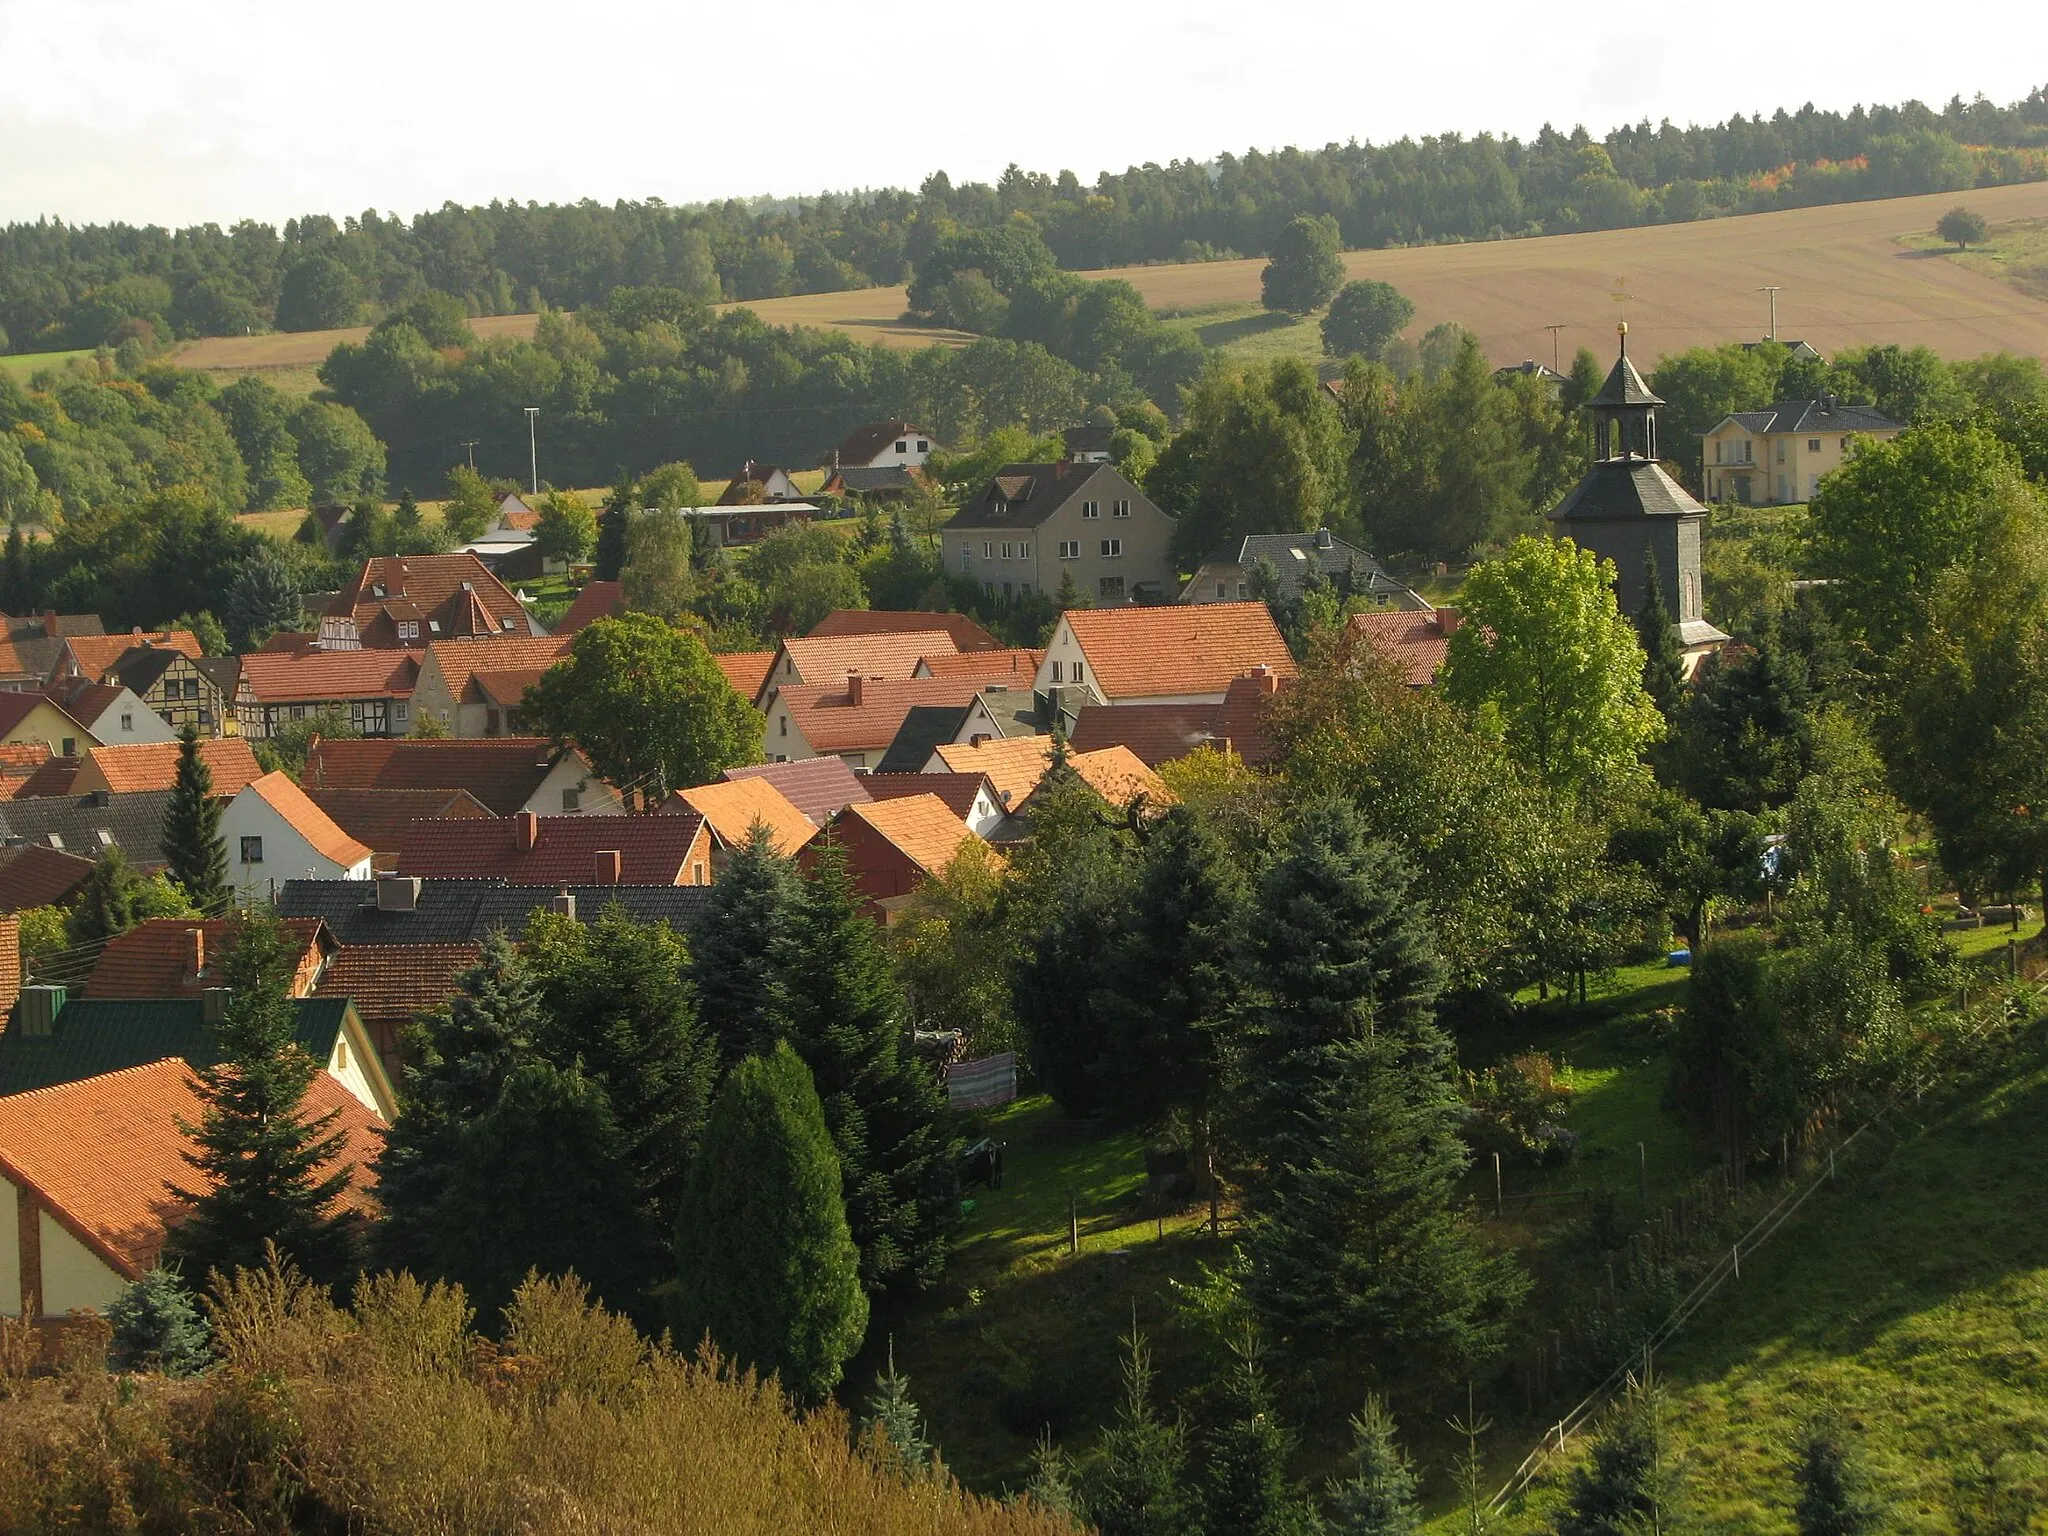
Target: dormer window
[434, 626]
[409, 630]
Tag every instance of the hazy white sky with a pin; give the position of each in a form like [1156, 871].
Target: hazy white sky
[180, 111]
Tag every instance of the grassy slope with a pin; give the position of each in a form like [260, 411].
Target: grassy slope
[24, 365]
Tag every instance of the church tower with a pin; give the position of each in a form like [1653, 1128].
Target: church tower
[1626, 508]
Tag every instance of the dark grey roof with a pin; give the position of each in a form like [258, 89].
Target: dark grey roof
[1088, 439]
[1624, 488]
[1530, 368]
[1295, 554]
[1624, 387]
[1017, 711]
[138, 669]
[90, 824]
[464, 911]
[1824, 416]
[224, 672]
[38, 655]
[1802, 351]
[889, 477]
[925, 727]
[1025, 495]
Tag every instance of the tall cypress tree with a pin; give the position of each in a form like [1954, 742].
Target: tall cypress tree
[767, 1265]
[1358, 1253]
[732, 950]
[1663, 662]
[1378, 1499]
[193, 848]
[1140, 1486]
[267, 1167]
[839, 1005]
[1246, 1490]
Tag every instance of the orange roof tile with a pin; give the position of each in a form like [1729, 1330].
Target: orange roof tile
[105, 1154]
[1014, 764]
[733, 808]
[746, 671]
[1179, 649]
[597, 600]
[832, 722]
[20, 758]
[832, 658]
[458, 661]
[154, 958]
[154, 765]
[393, 984]
[1015, 667]
[455, 592]
[1119, 775]
[308, 820]
[919, 826]
[96, 654]
[501, 771]
[967, 635]
[289, 677]
[1418, 642]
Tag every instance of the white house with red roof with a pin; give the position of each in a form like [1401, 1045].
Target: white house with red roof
[1161, 655]
[275, 833]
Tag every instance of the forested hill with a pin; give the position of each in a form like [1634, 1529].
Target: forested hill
[80, 286]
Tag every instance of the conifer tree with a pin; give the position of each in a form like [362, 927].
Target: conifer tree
[1246, 1489]
[892, 1430]
[194, 852]
[1140, 1486]
[1835, 1497]
[732, 950]
[1378, 1499]
[1356, 1246]
[267, 1168]
[612, 525]
[157, 1326]
[767, 1266]
[1051, 1485]
[107, 904]
[839, 1005]
[1628, 1483]
[1663, 662]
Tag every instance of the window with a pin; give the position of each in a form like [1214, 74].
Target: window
[252, 850]
[697, 875]
[1717, 450]
[191, 687]
[409, 630]
[1024, 587]
[572, 801]
[298, 711]
[966, 554]
[1091, 509]
[1110, 586]
[1119, 509]
[1845, 445]
[1006, 549]
[782, 725]
[1009, 589]
[56, 839]
[1070, 549]
[1111, 548]
[1222, 590]
[1244, 590]
[1748, 451]
[1024, 551]
[902, 446]
[490, 722]
[1078, 673]
[1781, 450]
[923, 446]
[399, 709]
[127, 719]
[988, 549]
[106, 838]
[1813, 445]
[70, 747]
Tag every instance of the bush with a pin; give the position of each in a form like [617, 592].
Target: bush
[1514, 1108]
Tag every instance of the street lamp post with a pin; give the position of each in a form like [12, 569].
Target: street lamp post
[533, 445]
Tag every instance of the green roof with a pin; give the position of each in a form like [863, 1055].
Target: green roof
[94, 1036]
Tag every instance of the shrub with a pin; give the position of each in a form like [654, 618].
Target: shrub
[157, 1327]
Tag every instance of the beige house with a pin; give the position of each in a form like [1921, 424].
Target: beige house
[1181, 654]
[1037, 525]
[1779, 456]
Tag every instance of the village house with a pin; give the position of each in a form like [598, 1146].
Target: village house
[391, 985]
[855, 718]
[401, 602]
[34, 719]
[1038, 526]
[89, 824]
[86, 1173]
[733, 808]
[111, 712]
[401, 911]
[474, 687]
[1417, 643]
[1017, 768]
[507, 774]
[758, 483]
[181, 957]
[1159, 733]
[746, 671]
[379, 817]
[880, 461]
[1010, 667]
[1778, 456]
[730, 527]
[372, 688]
[1089, 444]
[891, 657]
[526, 849]
[1228, 576]
[92, 657]
[36, 875]
[275, 833]
[967, 635]
[893, 846]
[182, 687]
[1181, 654]
[969, 796]
[123, 770]
[820, 787]
[597, 600]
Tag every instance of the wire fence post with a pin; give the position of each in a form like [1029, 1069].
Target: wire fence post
[1642, 1173]
[1498, 1203]
[1073, 1225]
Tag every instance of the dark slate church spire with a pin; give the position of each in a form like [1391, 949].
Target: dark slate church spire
[1624, 412]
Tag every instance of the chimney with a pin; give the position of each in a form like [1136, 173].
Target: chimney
[50, 622]
[526, 827]
[855, 692]
[605, 870]
[564, 903]
[1445, 620]
[1267, 679]
[195, 950]
[1323, 538]
[213, 1003]
[10, 962]
[1059, 470]
[37, 1011]
[398, 893]
[978, 739]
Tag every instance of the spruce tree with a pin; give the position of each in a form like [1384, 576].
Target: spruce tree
[157, 1326]
[1051, 1484]
[196, 855]
[1663, 662]
[839, 1005]
[1378, 1499]
[1140, 1485]
[892, 1430]
[107, 904]
[262, 599]
[267, 1168]
[1246, 1490]
[612, 525]
[1358, 1251]
[1835, 1497]
[1628, 1483]
[767, 1266]
[732, 950]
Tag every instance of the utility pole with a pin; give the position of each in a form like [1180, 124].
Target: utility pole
[1772, 290]
[1554, 329]
[533, 445]
[469, 447]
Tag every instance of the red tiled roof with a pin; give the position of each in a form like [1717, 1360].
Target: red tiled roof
[51, 781]
[103, 1155]
[1196, 648]
[392, 984]
[956, 790]
[432, 588]
[379, 817]
[17, 704]
[892, 656]
[732, 808]
[505, 689]
[308, 820]
[83, 701]
[832, 722]
[458, 661]
[291, 641]
[597, 600]
[863, 443]
[919, 826]
[1018, 668]
[96, 654]
[154, 765]
[23, 757]
[820, 787]
[1157, 733]
[34, 876]
[154, 958]
[746, 671]
[1419, 642]
[1242, 721]
[501, 771]
[967, 635]
[653, 850]
[297, 677]
[1013, 764]
[1117, 774]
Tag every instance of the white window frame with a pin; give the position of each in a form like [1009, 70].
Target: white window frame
[1091, 509]
[1070, 549]
[1119, 509]
[1112, 549]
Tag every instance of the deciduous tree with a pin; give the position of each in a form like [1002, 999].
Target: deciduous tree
[1363, 318]
[1305, 269]
[1963, 228]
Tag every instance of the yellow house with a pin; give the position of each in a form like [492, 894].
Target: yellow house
[1778, 456]
[30, 718]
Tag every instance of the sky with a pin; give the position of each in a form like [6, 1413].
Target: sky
[179, 112]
